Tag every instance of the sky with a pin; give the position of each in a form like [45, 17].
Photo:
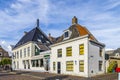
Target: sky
[100, 17]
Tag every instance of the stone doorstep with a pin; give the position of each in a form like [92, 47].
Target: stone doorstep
[34, 76]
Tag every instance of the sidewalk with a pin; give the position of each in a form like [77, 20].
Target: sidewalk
[47, 76]
[50, 76]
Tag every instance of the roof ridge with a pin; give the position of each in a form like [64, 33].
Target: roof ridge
[34, 32]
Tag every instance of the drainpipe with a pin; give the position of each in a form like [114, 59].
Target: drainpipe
[88, 56]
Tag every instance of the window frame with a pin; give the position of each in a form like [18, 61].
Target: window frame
[100, 52]
[20, 53]
[59, 53]
[81, 65]
[24, 52]
[28, 50]
[69, 65]
[81, 49]
[100, 63]
[66, 34]
[54, 66]
[69, 52]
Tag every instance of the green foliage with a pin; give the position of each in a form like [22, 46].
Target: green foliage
[112, 66]
[5, 61]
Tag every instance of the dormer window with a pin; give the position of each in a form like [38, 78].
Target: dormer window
[66, 34]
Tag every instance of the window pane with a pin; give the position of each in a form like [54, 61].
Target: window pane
[69, 66]
[100, 65]
[81, 48]
[53, 65]
[81, 66]
[66, 34]
[59, 51]
[100, 52]
[69, 51]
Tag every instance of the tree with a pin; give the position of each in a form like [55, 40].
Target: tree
[5, 61]
[112, 66]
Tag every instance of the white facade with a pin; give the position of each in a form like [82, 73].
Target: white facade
[91, 57]
[24, 57]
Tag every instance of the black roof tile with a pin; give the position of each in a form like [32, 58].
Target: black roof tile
[35, 35]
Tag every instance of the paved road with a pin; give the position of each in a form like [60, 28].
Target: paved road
[46, 76]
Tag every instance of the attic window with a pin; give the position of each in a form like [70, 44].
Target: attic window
[66, 34]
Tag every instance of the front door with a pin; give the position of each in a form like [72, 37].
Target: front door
[59, 67]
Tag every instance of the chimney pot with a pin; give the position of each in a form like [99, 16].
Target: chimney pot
[74, 20]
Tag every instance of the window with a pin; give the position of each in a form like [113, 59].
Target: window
[33, 63]
[37, 51]
[81, 49]
[69, 66]
[59, 51]
[24, 52]
[21, 53]
[54, 66]
[17, 54]
[100, 52]
[17, 65]
[69, 51]
[41, 62]
[28, 51]
[66, 34]
[81, 66]
[100, 65]
[37, 63]
[0, 54]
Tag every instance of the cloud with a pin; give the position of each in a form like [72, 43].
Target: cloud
[112, 4]
[55, 16]
[19, 16]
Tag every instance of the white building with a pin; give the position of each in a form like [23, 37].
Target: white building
[77, 52]
[32, 52]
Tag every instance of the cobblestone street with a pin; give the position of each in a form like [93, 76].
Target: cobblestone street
[47, 76]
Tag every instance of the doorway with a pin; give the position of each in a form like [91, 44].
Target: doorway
[59, 67]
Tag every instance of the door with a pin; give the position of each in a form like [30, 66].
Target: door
[59, 67]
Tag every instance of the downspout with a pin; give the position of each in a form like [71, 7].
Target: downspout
[88, 55]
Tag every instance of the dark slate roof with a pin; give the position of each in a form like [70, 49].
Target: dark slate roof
[35, 35]
[117, 50]
[43, 46]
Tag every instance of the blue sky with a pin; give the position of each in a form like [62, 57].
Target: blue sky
[101, 17]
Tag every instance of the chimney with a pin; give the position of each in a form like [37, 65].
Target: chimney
[25, 32]
[37, 22]
[74, 20]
